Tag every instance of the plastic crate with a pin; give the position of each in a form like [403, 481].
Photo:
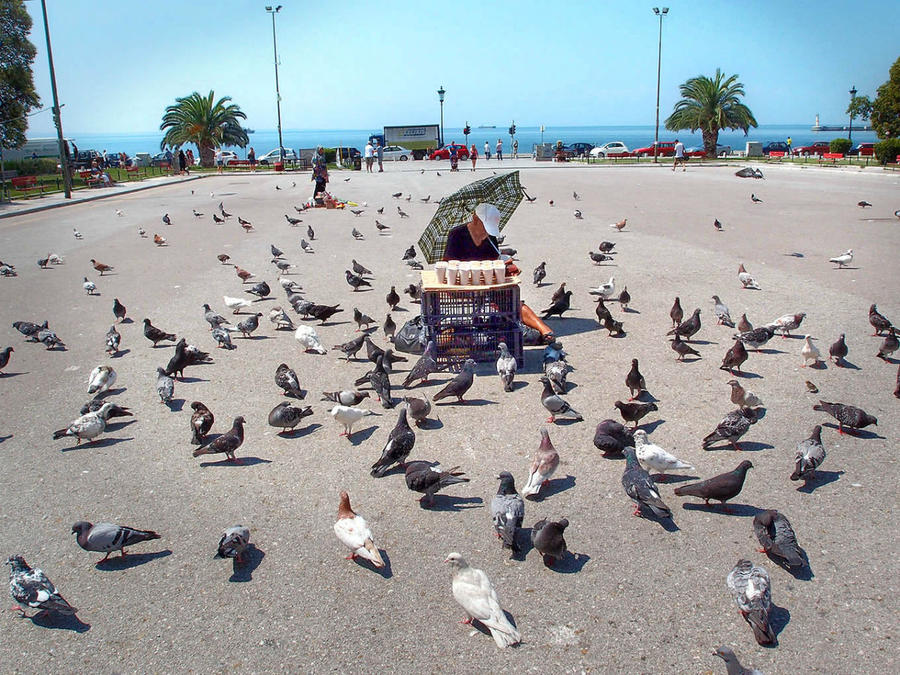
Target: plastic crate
[457, 342]
[472, 302]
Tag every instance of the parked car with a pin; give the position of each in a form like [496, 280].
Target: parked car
[462, 152]
[85, 158]
[160, 159]
[112, 159]
[666, 149]
[817, 148]
[775, 146]
[611, 149]
[273, 156]
[722, 150]
[863, 150]
[396, 153]
[580, 149]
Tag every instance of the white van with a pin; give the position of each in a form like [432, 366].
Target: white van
[35, 147]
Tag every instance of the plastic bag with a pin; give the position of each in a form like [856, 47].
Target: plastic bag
[411, 337]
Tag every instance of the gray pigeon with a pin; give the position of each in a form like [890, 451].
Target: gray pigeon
[222, 338]
[422, 368]
[345, 397]
[506, 367]
[723, 487]
[732, 665]
[687, 328]
[31, 587]
[557, 372]
[732, 427]
[810, 454]
[287, 380]
[459, 385]
[777, 538]
[113, 339]
[399, 444]
[250, 324]
[285, 416]
[756, 338]
[106, 537]
[418, 409]
[612, 438]
[361, 270]
[429, 477]
[641, 488]
[227, 443]
[212, 318]
[165, 386]
[507, 511]
[723, 315]
[751, 588]
[847, 415]
[547, 537]
[233, 543]
[556, 405]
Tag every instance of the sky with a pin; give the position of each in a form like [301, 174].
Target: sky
[363, 65]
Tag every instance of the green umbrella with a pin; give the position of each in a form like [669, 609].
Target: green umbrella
[503, 191]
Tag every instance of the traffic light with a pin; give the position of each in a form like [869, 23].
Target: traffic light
[467, 130]
[512, 129]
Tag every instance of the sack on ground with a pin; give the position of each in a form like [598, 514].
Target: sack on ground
[411, 337]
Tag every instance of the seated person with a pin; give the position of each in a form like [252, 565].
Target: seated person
[477, 239]
[97, 172]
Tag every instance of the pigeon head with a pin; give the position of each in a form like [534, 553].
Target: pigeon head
[456, 561]
[239, 420]
[80, 527]
[146, 322]
[640, 436]
[344, 510]
[469, 366]
[563, 523]
[869, 419]
[507, 483]
[17, 563]
[630, 456]
[725, 653]
[744, 466]
[160, 371]
[196, 405]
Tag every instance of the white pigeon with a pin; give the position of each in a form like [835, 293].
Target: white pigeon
[475, 593]
[89, 286]
[120, 212]
[102, 378]
[280, 319]
[605, 290]
[577, 214]
[546, 459]
[506, 367]
[76, 233]
[653, 457]
[354, 533]
[236, 304]
[88, 426]
[810, 352]
[844, 259]
[289, 284]
[55, 259]
[348, 416]
[746, 279]
[142, 232]
[307, 336]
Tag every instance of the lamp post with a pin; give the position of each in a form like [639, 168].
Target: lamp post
[850, 128]
[273, 11]
[57, 119]
[660, 14]
[440, 93]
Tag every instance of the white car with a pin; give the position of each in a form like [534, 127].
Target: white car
[275, 156]
[397, 153]
[611, 149]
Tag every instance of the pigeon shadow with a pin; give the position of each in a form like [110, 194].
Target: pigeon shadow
[110, 392]
[431, 423]
[889, 359]
[570, 563]
[858, 433]
[779, 618]
[650, 427]
[60, 622]
[240, 461]
[472, 402]
[767, 351]
[573, 326]
[384, 572]
[802, 573]
[2, 375]
[668, 524]
[102, 443]
[190, 380]
[301, 432]
[362, 435]
[452, 503]
[5, 438]
[746, 374]
[819, 365]
[844, 363]
[820, 479]
[646, 397]
[519, 384]
[131, 560]
[127, 319]
[701, 342]
[725, 509]
[746, 446]
[176, 404]
[631, 310]
[554, 487]
[669, 478]
[115, 426]
[119, 354]
[243, 571]
[566, 421]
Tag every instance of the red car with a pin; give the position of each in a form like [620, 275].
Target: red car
[666, 149]
[817, 148]
[462, 152]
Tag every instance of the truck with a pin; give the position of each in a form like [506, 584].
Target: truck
[35, 147]
[420, 139]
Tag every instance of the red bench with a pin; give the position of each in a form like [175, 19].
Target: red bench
[134, 172]
[27, 185]
[238, 163]
[777, 154]
[90, 179]
[833, 156]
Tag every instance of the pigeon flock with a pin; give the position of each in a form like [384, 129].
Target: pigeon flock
[404, 400]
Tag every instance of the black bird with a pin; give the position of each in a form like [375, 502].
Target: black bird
[361, 270]
[606, 246]
[676, 313]
[310, 232]
[373, 351]
[683, 349]
[459, 385]
[402, 213]
[156, 335]
[250, 324]
[689, 327]
[723, 487]
[166, 219]
[634, 411]
[838, 350]
[547, 537]
[560, 306]
[96, 403]
[392, 298]
[598, 257]
[227, 443]
[294, 222]
[217, 219]
[624, 298]
[276, 252]
[285, 416]
[539, 273]
[428, 478]
[635, 381]
[717, 225]
[179, 361]
[4, 358]
[352, 347]
[324, 312]
[381, 227]
[777, 538]
[225, 213]
[389, 327]
[356, 282]
[612, 438]
[756, 200]
[397, 195]
[641, 488]
[409, 254]
[602, 312]
[261, 290]
[614, 327]
[118, 310]
[197, 214]
[878, 321]
[362, 320]
[44, 262]
[734, 357]
[287, 380]
[863, 204]
[507, 511]
[399, 444]
[201, 422]
[378, 379]
[847, 415]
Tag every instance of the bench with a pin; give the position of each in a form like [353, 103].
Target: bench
[777, 154]
[90, 179]
[238, 164]
[27, 185]
[833, 156]
[135, 172]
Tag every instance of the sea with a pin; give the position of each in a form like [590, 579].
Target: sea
[264, 140]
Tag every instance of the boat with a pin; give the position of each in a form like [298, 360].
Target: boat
[487, 126]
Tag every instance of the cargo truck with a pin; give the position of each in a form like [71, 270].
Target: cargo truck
[419, 139]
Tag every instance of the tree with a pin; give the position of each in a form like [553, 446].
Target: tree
[886, 107]
[207, 124]
[17, 94]
[710, 105]
[860, 108]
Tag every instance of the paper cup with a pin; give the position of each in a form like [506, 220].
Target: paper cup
[465, 273]
[499, 271]
[440, 268]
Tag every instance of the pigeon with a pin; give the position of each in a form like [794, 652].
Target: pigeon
[723, 315]
[402, 213]
[306, 246]
[280, 318]
[356, 282]
[393, 299]
[357, 212]
[506, 367]
[734, 357]
[732, 664]
[324, 312]
[245, 224]
[743, 325]
[287, 380]
[345, 397]
[49, 339]
[4, 357]
[196, 213]
[248, 325]
[863, 204]
[422, 368]
[309, 339]
[359, 269]
[118, 310]
[558, 307]
[101, 379]
[547, 536]
[379, 381]
[682, 348]
[165, 386]
[261, 290]
[577, 214]
[155, 335]
[785, 324]
[641, 488]
[751, 588]
[216, 219]
[88, 426]
[634, 411]
[717, 225]
[106, 537]
[476, 595]
[459, 385]
[417, 409]
[96, 405]
[282, 265]
[222, 338]
[539, 273]
[201, 422]
[348, 416]
[843, 259]
[635, 381]
[606, 246]
[732, 427]
[166, 219]
[159, 241]
[652, 457]
[284, 416]
[429, 478]
[553, 352]
[351, 348]
[223, 258]
[810, 352]
[507, 511]
[234, 543]
[373, 351]
[29, 329]
[620, 225]
[598, 257]
[382, 228]
[847, 415]
[606, 290]
[544, 465]
[889, 345]
[777, 538]
[89, 286]
[362, 320]
[756, 338]
[687, 328]
[43, 262]
[676, 313]
[293, 222]
[557, 372]
[353, 531]
[399, 444]
[389, 328]
[878, 321]
[838, 350]
[612, 438]
[624, 298]
[31, 587]
[743, 398]
[409, 254]
[723, 487]
[397, 195]
[357, 234]
[746, 279]
[556, 405]
[101, 267]
[76, 233]
[228, 442]
[811, 388]
[575, 196]
[755, 199]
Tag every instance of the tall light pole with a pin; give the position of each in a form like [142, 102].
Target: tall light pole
[850, 128]
[273, 12]
[660, 14]
[440, 93]
[57, 119]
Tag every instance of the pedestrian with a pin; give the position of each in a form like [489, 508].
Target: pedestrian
[379, 150]
[679, 156]
[105, 159]
[487, 150]
[516, 149]
[182, 162]
[473, 155]
[369, 154]
[319, 171]
[74, 152]
[499, 149]
[251, 158]
[789, 145]
[190, 157]
[454, 156]
[170, 158]
[220, 161]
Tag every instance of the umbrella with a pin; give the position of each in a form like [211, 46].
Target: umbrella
[503, 191]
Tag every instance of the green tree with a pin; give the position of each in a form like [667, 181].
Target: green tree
[206, 123]
[886, 107]
[860, 108]
[711, 104]
[17, 94]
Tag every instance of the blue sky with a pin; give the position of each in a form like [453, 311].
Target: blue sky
[357, 65]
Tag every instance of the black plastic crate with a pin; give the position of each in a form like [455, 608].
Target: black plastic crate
[457, 341]
[471, 302]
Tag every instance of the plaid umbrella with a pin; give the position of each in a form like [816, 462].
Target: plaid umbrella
[503, 191]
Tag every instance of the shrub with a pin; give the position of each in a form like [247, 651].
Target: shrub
[330, 154]
[887, 150]
[841, 145]
[32, 167]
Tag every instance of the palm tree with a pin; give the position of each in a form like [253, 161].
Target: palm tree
[710, 105]
[207, 124]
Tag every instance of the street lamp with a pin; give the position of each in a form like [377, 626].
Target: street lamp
[660, 14]
[850, 128]
[57, 119]
[440, 93]
[273, 12]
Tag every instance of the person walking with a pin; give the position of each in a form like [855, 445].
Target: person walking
[370, 156]
[190, 157]
[679, 156]
[182, 162]
[516, 149]
[251, 158]
[499, 149]
[789, 141]
[473, 155]
[487, 150]
[319, 171]
[220, 161]
[454, 156]
[379, 150]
